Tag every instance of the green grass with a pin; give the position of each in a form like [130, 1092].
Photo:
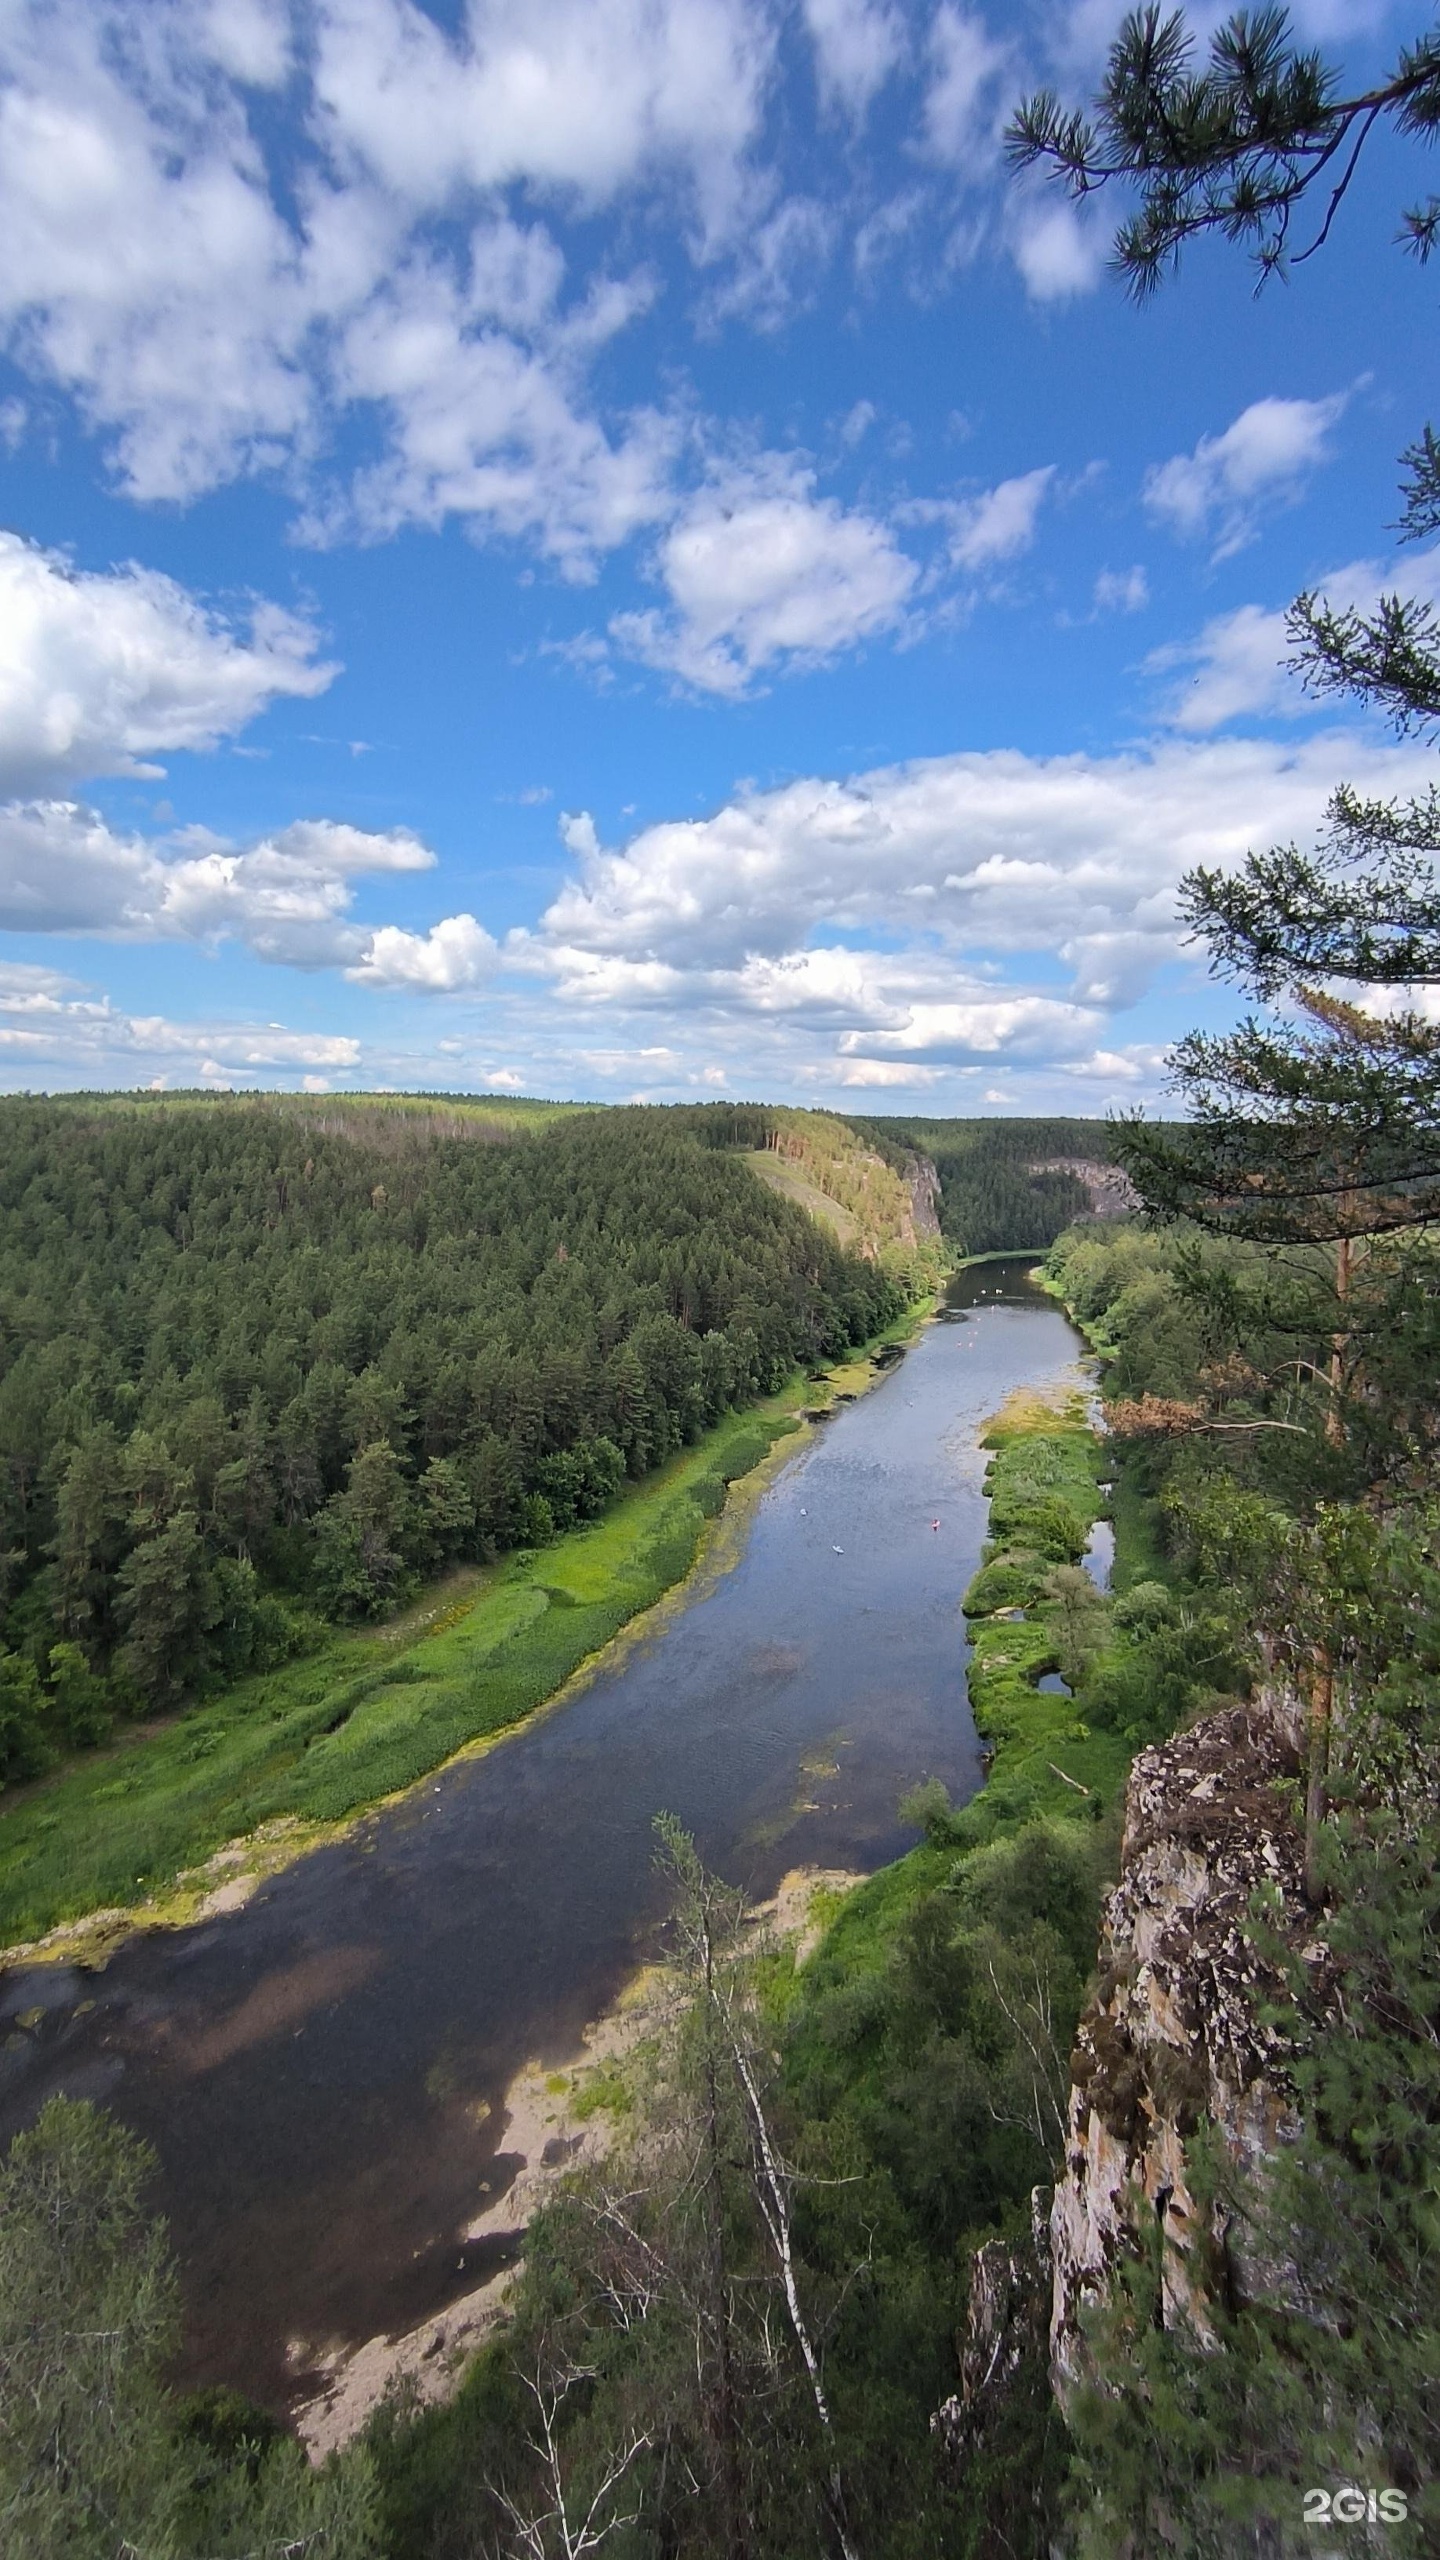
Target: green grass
[1044, 1498]
[1029, 1733]
[371, 1712]
[791, 1184]
[1140, 1553]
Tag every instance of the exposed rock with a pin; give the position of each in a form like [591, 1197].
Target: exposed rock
[1005, 2331]
[1111, 1193]
[1175, 2031]
[923, 1184]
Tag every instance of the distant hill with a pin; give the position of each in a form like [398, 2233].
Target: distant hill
[878, 1196]
[887, 1188]
[1011, 1184]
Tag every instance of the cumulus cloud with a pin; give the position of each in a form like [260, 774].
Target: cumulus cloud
[247, 239]
[858, 44]
[1058, 252]
[54, 1030]
[490, 430]
[1239, 665]
[1263, 459]
[147, 270]
[999, 857]
[211, 325]
[513, 94]
[760, 571]
[882, 1075]
[455, 954]
[98, 672]
[983, 1026]
[286, 899]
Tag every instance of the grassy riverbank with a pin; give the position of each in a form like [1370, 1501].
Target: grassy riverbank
[1043, 1482]
[278, 1758]
[1044, 1500]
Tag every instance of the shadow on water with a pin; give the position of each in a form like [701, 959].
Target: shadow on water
[322, 2072]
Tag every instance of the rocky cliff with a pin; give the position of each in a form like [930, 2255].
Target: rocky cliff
[1111, 1192]
[1180, 2027]
[922, 1181]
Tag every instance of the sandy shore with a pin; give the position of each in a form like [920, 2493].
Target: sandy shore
[545, 2121]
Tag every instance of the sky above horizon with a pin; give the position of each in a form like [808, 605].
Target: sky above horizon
[606, 549]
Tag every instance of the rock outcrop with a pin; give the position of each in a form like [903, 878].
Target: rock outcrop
[1177, 2030]
[923, 1184]
[1005, 2331]
[1111, 1193]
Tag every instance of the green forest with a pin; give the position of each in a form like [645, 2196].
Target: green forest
[1006, 1186]
[266, 1369]
[1075, 2197]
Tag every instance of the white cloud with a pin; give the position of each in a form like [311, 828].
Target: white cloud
[100, 671]
[247, 238]
[56, 1031]
[1058, 252]
[516, 96]
[758, 571]
[286, 899]
[948, 861]
[1263, 458]
[982, 1027]
[248, 38]
[780, 267]
[488, 429]
[1239, 666]
[146, 269]
[966, 100]
[858, 43]
[999, 524]
[881, 1074]
[212, 326]
[1239, 671]
[1122, 590]
[456, 954]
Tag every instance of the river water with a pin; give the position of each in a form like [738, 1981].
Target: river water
[310, 2069]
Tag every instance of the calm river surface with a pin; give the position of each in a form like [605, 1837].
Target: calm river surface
[308, 2068]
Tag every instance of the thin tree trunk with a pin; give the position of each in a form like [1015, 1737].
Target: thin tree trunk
[723, 2415]
[775, 2209]
[1339, 1343]
[1322, 1697]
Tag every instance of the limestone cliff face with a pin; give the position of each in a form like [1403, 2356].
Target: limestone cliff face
[923, 1184]
[1176, 2029]
[1112, 1193]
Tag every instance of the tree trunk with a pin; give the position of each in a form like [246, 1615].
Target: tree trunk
[1322, 1694]
[723, 2412]
[1339, 1342]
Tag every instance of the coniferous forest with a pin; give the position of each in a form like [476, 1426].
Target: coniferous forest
[1070, 2192]
[259, 1372]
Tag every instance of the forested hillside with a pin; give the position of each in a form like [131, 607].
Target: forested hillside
[262, 1363]
[872, 1191]
[1009, 1185]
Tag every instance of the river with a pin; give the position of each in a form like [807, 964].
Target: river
[314, 2071]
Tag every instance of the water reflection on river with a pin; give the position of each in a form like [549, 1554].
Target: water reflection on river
[315, 2071]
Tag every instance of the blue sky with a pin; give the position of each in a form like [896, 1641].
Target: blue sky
[602, 547]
